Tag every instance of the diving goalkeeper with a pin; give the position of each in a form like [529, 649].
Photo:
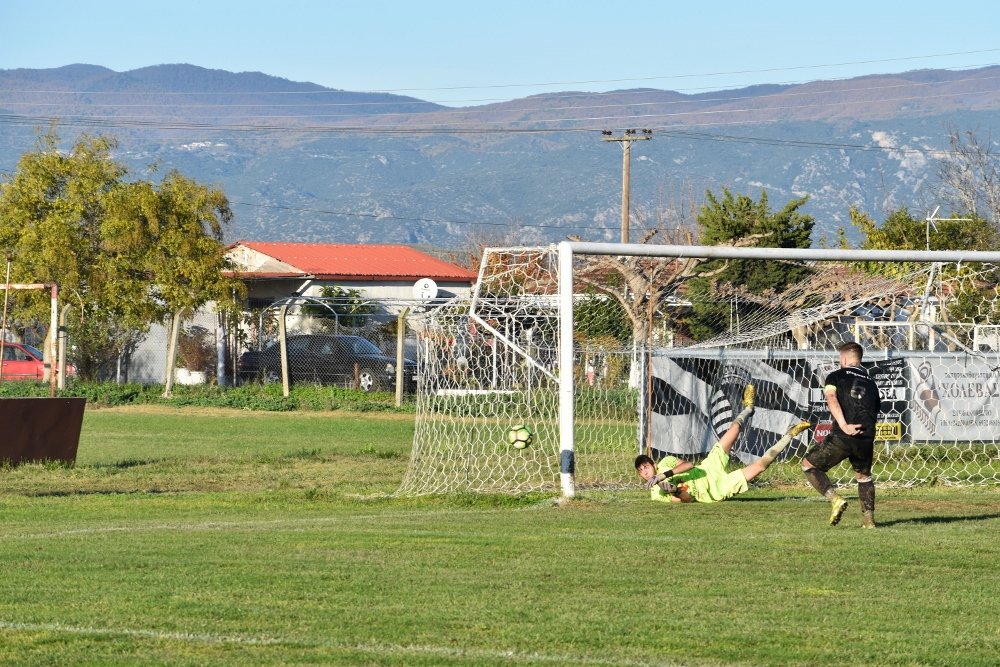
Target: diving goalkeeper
[674, 480]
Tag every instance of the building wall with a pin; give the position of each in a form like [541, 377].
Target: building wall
[260, 291]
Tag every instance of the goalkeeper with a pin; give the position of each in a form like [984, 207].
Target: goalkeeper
[674, 480]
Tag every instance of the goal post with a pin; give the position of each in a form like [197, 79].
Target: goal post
[568, 250]
[663, 372]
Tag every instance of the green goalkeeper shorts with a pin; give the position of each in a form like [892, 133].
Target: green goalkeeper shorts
[709, 481]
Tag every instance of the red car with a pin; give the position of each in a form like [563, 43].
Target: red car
[25, 362]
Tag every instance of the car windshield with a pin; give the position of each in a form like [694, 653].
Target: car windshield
[361, 346]
[35, 352]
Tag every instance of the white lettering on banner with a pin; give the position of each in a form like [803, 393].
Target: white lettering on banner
[892, 393]
[970, 390]
[955, 405]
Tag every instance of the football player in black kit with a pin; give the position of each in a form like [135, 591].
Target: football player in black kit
[853, 398]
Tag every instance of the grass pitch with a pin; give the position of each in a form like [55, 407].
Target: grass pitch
[194, 537]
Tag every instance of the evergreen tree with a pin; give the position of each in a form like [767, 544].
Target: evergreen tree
[733, 218]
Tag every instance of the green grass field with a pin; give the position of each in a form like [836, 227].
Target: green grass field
[217, 537]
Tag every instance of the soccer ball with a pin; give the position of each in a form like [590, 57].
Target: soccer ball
[520, 436]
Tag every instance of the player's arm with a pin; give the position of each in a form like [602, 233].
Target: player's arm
[683, 466]
[677, 468]
[837, 412]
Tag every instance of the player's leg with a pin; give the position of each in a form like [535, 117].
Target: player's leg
[769, 457]
[816, 462]
[866, 494]
[771, 454]
[861, 461]
[732, 434]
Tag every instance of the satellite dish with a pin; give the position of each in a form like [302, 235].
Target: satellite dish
[425, 289]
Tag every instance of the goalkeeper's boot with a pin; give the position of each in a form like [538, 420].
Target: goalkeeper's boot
[795, 429]
[838, 509]
[749, 394]
[868, 519]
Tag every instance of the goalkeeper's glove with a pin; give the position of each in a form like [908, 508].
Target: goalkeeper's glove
[656, 479]
[670, 488]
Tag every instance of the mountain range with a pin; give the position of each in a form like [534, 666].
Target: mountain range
[300, 162]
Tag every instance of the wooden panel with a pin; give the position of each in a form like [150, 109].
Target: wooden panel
[40, 429]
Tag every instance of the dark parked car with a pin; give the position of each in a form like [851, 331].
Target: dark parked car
[349, 361]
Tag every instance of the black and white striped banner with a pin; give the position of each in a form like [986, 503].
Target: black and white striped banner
[694, 401]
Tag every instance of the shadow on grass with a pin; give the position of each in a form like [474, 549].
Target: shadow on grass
[93, 492]
[927, 520]
[125, 464]
[918, 520]
[754, 499]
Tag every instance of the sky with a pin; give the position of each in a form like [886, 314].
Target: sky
[467, 53]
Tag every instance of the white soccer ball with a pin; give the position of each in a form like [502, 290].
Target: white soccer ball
[520, 436]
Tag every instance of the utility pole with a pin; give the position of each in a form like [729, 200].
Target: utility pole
[626, 139]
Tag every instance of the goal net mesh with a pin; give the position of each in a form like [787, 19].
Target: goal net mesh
[662, 348]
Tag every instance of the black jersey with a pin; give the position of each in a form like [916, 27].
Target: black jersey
[859, 399]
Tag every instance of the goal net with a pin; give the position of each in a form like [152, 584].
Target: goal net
[608, 350]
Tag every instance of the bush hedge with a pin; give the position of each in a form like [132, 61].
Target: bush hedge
[266, 397]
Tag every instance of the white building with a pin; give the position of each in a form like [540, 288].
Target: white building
[275, 271]
[278, 270]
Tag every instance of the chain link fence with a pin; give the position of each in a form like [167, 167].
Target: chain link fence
[351, 343]
[360, 344]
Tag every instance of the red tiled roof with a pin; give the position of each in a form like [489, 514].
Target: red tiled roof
[341, 261]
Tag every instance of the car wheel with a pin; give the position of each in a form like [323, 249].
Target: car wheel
[367, 381]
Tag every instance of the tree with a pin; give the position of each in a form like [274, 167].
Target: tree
[347, 306]
[969, 291]
[638, 284]
[738, 219]
[901, 231]
[599, 317]
[969, 176]
[125, 254]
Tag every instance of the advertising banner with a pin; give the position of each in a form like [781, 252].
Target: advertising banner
[892, 378]
[955, 402]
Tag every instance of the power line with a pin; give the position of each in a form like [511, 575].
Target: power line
[383, 216]
[676, 130]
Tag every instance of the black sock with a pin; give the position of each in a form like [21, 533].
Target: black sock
[819, 481]
[866, 494]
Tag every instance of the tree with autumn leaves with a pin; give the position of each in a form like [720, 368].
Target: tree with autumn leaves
[125, 253]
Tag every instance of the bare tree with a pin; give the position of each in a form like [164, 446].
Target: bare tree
[970, 176]
[640, 284]
[469, 254]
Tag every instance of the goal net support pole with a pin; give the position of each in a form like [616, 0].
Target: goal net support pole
[567, 250]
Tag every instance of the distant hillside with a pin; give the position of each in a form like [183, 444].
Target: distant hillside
[303, 162]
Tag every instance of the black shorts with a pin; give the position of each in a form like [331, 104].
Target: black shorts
[836, 448]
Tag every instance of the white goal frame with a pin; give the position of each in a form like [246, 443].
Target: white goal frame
[567, 251]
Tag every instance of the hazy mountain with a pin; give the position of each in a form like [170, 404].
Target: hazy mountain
[304, 162]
